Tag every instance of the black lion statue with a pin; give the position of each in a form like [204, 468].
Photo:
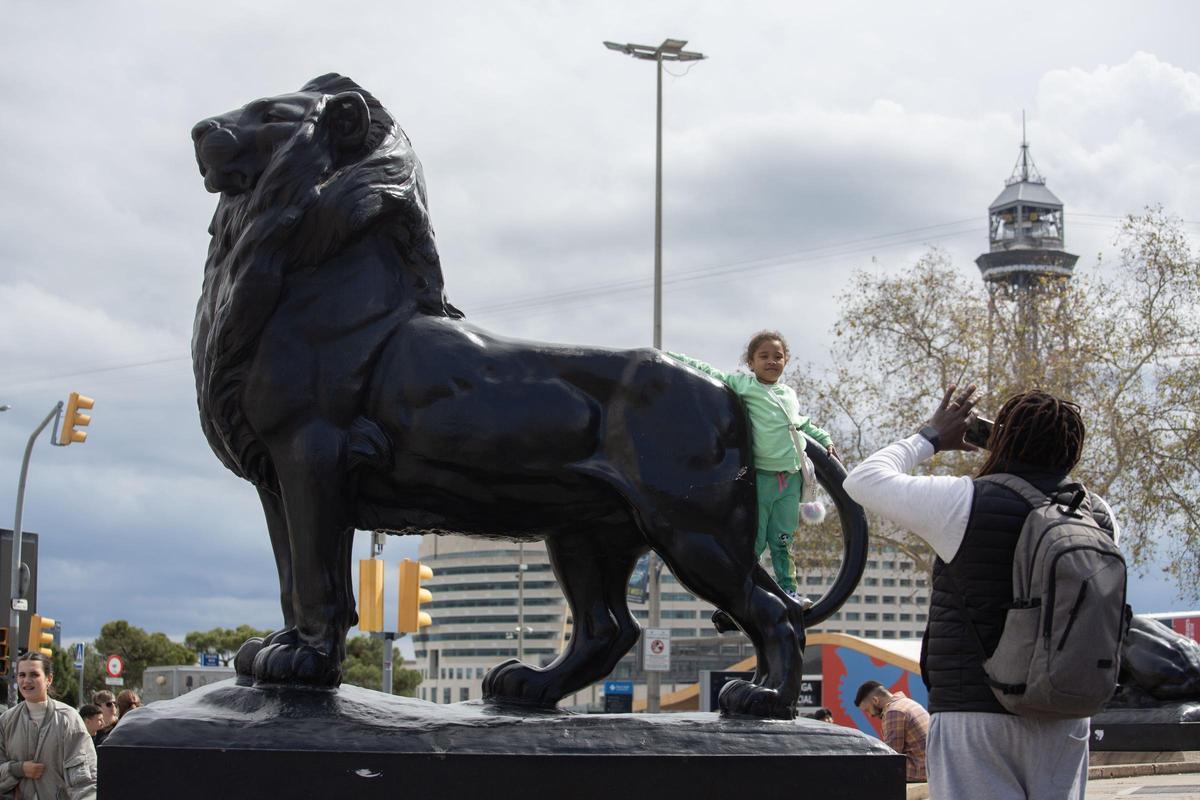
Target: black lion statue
[334, 375]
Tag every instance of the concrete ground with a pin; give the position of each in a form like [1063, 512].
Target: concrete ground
[1168, 787]
[1172, 776]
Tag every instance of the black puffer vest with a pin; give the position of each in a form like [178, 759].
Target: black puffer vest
[950, 662]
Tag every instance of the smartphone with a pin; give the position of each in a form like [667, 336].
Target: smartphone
[978, 432]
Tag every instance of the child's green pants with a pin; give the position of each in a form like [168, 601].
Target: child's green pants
[778, 518]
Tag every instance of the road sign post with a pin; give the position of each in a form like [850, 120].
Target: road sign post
[114, 665]
[656, 652]
[80, 651]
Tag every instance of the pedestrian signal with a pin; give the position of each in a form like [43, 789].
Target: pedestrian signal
[370, 595]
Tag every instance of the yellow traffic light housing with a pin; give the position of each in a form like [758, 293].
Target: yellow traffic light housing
[4, 662]
[411, 618]
[73, 419]
[370, 595]
[41, 635]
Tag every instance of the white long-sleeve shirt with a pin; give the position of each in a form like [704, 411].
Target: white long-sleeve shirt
[934, 507]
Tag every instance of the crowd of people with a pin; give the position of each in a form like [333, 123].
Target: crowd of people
[47, 748]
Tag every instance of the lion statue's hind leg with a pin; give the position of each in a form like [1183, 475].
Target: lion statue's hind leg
[716, 569]
[593, 564]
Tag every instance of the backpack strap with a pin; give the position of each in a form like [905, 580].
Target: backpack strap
[960, 600]
[1035, 496]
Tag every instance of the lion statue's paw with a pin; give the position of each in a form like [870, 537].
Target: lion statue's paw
[517, 683]
[292, 664]
[243, 662]
[743, 698]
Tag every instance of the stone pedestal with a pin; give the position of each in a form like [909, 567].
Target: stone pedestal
[229, 741]
[1162, 726]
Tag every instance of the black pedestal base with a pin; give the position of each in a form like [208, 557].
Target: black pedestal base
[1165, 726]
[235, 742]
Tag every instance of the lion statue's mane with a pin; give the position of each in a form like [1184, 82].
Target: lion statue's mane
[306, 206]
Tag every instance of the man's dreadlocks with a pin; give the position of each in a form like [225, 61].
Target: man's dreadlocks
[1038, 429]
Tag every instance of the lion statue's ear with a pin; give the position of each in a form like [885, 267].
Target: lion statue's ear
[349, 121]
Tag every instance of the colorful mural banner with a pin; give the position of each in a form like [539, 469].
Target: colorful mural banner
[844, 670]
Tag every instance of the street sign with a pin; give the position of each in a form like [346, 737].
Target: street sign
[114, 666]
[656, 653]
[20, 604]
[114, 681]
[210, 660]
[618, 687]
[810, 692]
[78, 655]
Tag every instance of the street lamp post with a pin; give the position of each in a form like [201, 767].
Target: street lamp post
[669, 50]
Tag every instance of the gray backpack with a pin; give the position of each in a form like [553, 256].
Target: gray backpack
[1059, 653]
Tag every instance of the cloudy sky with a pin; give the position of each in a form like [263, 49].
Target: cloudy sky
[816, 139]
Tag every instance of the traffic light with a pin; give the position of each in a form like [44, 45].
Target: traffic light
[4, 651]
[411, 618]
[75, 419]
[41, 635]
[370, 595]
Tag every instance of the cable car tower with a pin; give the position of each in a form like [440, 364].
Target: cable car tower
[1025, 250]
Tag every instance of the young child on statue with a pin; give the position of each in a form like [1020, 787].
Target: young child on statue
[780, 464]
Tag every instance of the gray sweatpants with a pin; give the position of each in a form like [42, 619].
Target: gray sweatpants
[976, 756]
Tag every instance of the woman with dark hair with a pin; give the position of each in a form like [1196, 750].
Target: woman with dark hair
[45, 750]
[127, 701]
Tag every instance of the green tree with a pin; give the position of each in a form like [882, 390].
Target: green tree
[1123, 342]
[222, 641]
[139, 649]
[364, 667]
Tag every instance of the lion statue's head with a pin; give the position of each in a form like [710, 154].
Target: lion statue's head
[301, 176]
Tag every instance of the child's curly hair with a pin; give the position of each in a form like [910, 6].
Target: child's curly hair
[759, 338]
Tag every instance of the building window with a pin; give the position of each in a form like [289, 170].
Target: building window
[921, 581]
[675, 613]
[871, 599]
[889, 565]
[889, 634]
[871, 581]
[872, 564]
[906, 581]
[906, 617]
[889, 581]
[870, 633]
[853, 616]
[479, 673]
[871, 616]
[889, 599]
[889, 617]
[921, 617]
[464, 694]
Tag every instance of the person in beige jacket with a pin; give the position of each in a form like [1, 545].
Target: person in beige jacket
[45, 750]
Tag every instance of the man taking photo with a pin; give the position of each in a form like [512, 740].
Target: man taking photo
[975, 748]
